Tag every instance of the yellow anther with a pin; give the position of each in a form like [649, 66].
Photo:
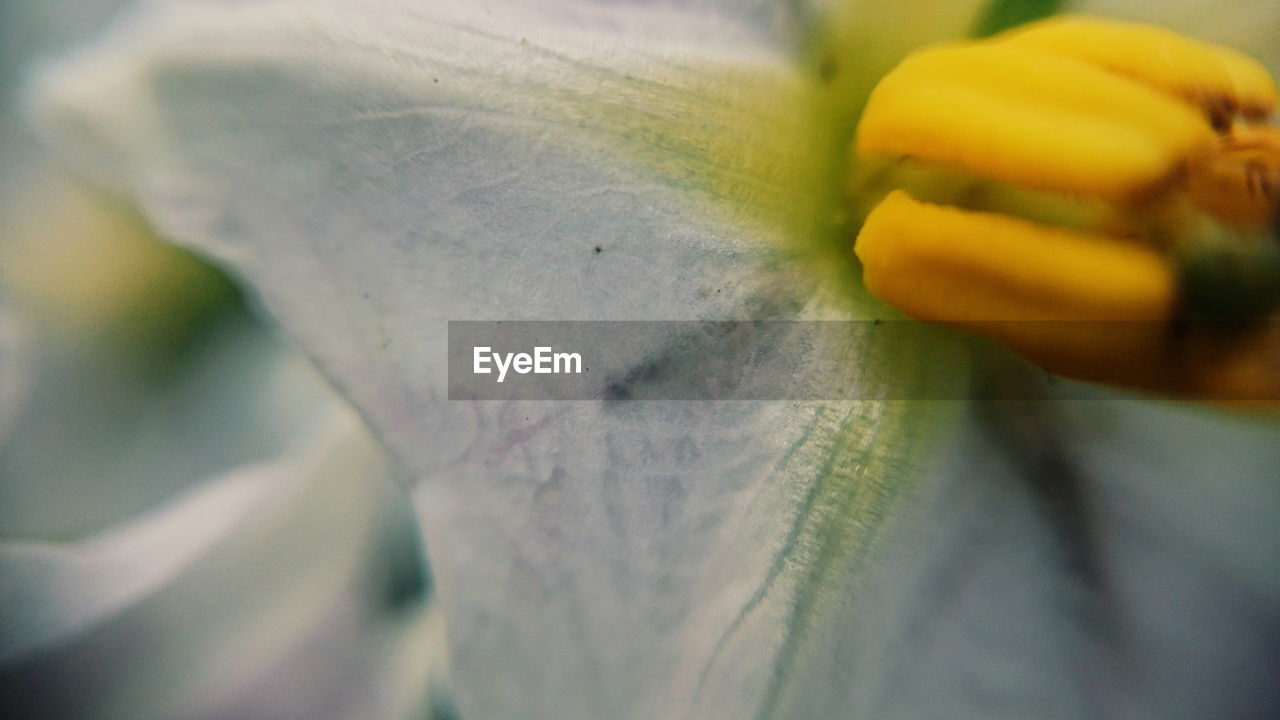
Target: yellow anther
[1083, 305]
[1091, 197]
[1220, 80]
[946, 264]
[1087, 306]
[1026, 117]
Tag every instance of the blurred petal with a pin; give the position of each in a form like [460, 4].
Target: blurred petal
[279, 583]
[140, 621]
[377, 169]
[191, 523]
[100, 439]
[981, 605]
[280, 586]
[65, 587]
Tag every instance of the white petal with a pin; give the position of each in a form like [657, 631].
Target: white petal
[67, 587]
[608, 538]
[259, 576]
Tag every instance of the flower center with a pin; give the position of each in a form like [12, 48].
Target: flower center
[1100, 196]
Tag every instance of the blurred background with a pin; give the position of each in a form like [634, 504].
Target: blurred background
[192, 523]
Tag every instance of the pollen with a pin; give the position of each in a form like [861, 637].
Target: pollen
[1175, 284]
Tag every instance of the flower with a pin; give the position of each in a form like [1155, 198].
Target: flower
[376, 169]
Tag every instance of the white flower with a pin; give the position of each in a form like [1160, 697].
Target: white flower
[375, 169]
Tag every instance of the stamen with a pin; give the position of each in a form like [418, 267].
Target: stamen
[1176, 287]
[1220, 80]
[984, 108]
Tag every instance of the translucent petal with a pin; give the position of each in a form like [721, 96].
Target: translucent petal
[250, 592]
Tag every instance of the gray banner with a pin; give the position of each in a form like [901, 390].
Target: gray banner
[727, 360]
